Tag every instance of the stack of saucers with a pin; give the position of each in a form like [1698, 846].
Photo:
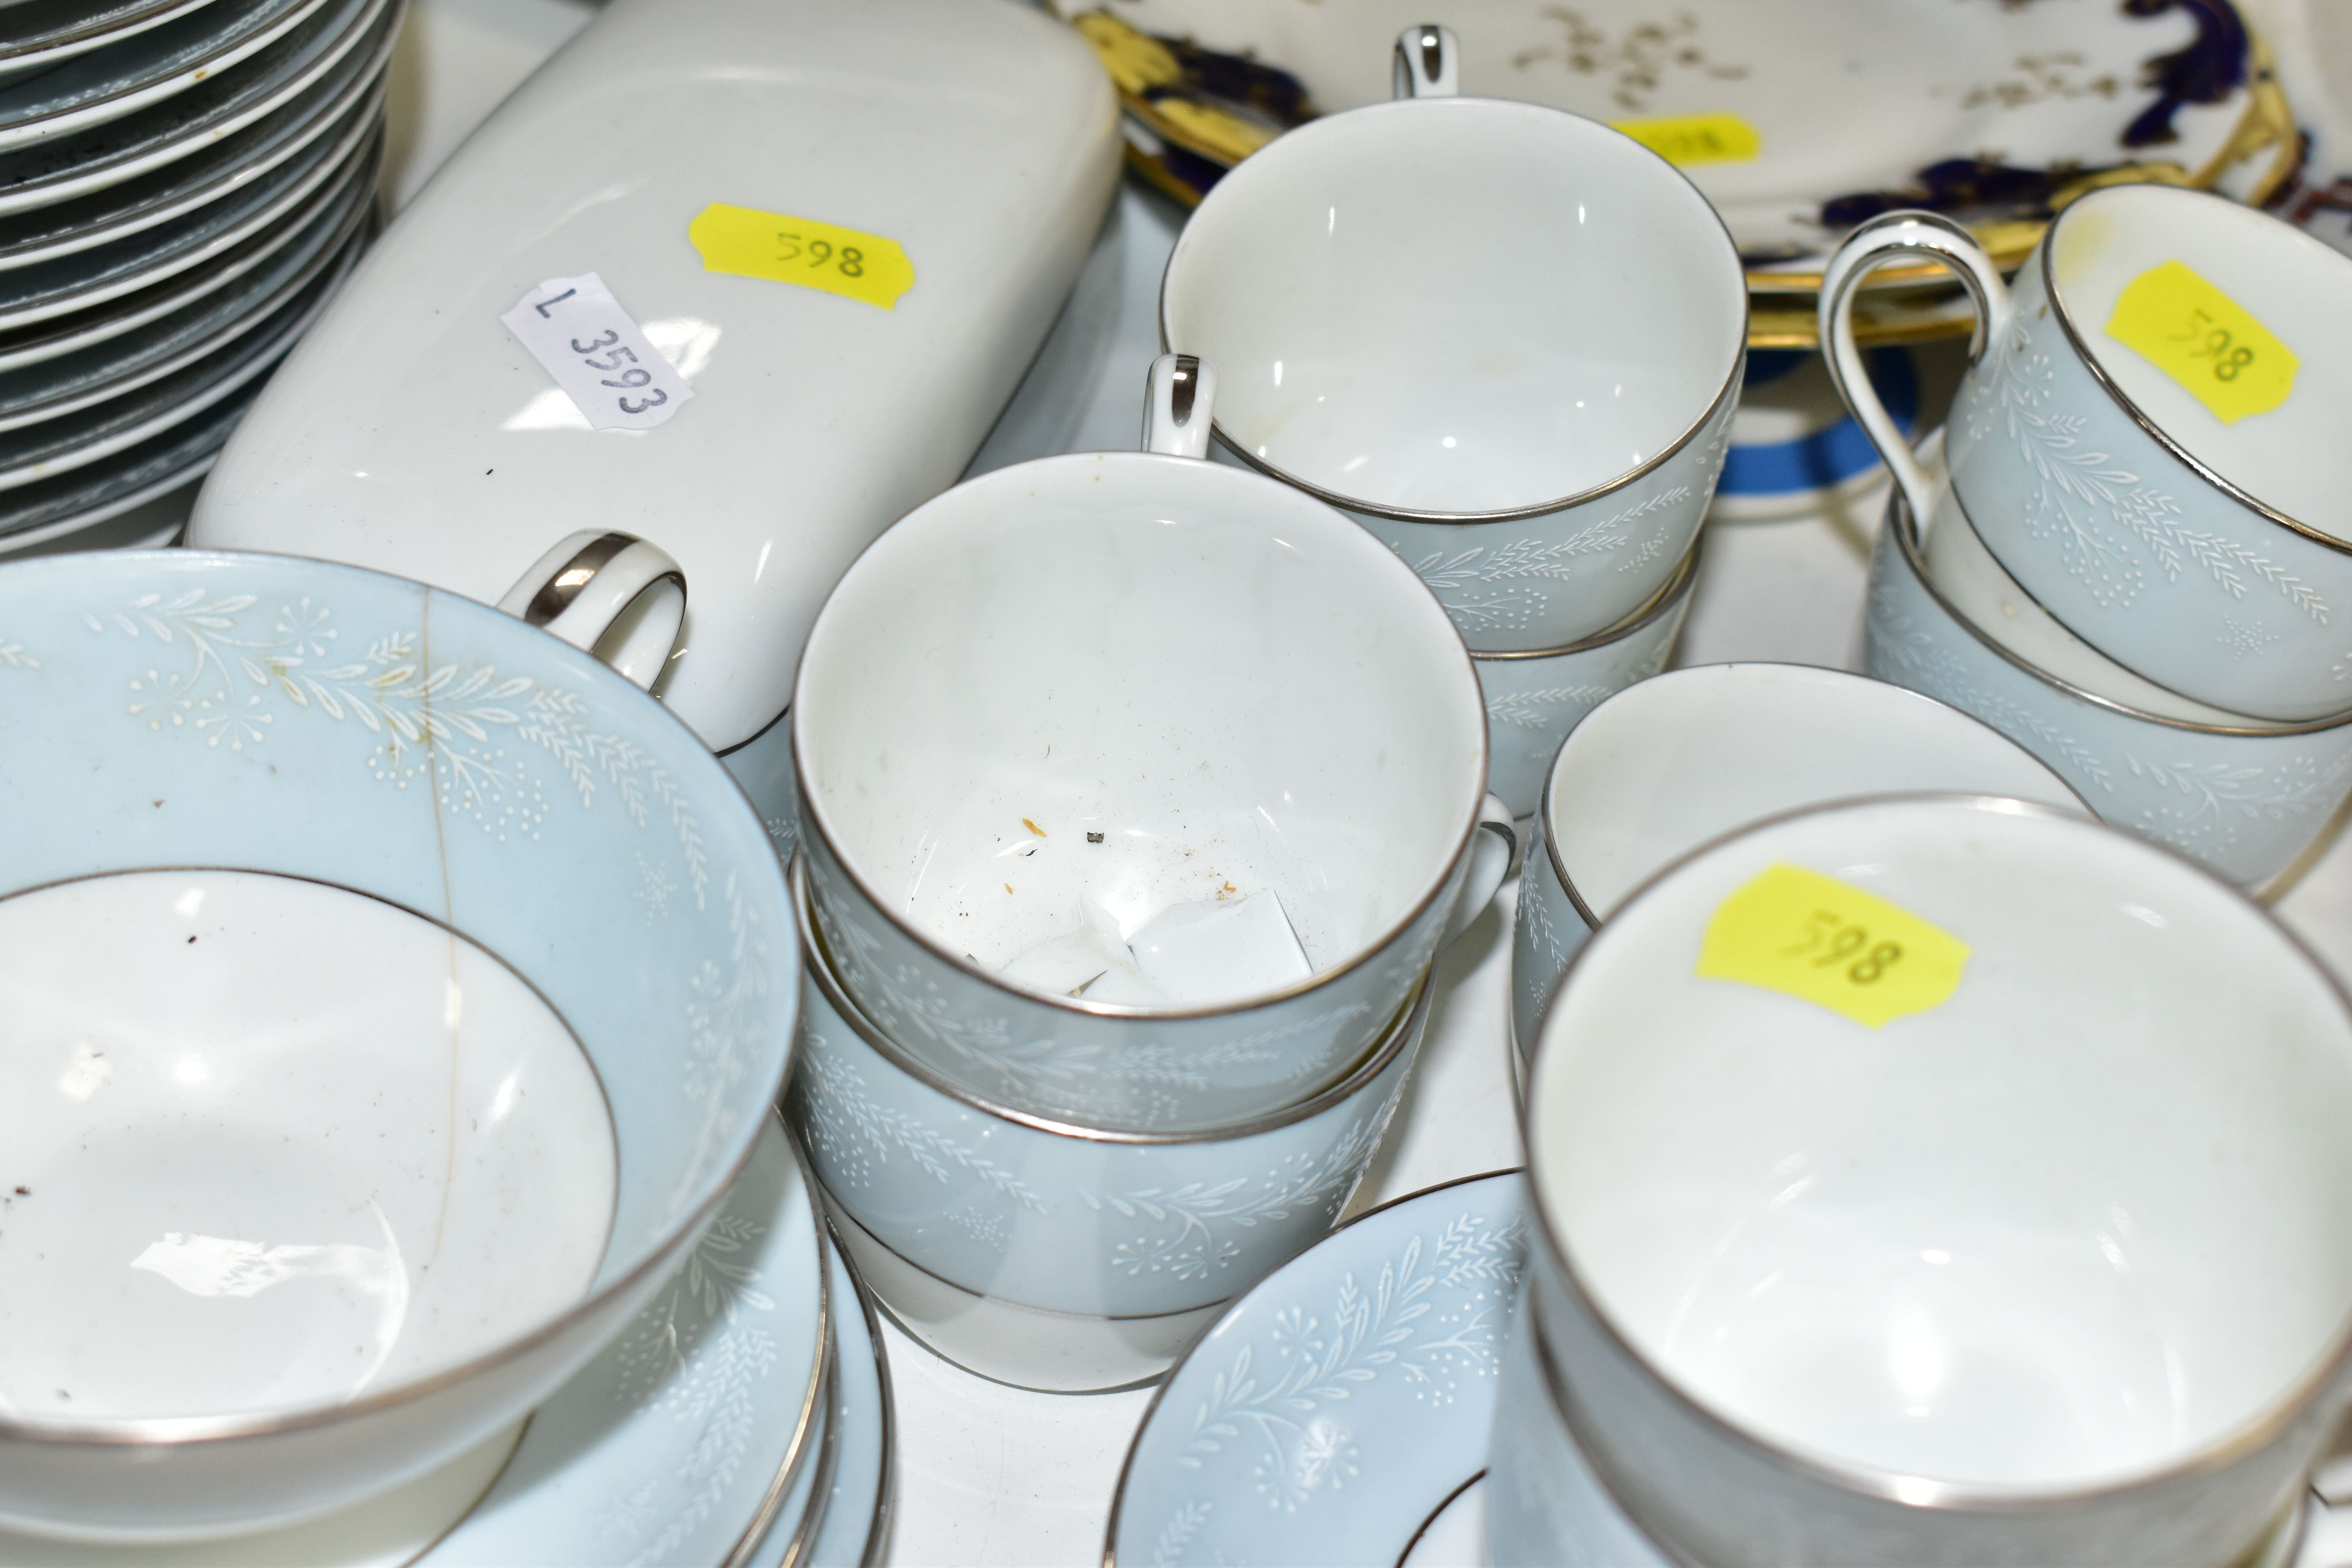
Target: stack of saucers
[181, 186]
[1539, 439]
[2139, 563]
[1137, 795]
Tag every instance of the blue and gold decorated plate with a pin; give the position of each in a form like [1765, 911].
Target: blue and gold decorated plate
[1796, 119]
[1338, 1413]
[2311, 40]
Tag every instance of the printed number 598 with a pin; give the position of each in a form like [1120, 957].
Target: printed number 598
[2228, 360]
[1837, 942]
[849, 261]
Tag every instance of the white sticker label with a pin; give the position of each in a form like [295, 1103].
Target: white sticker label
[597, 354]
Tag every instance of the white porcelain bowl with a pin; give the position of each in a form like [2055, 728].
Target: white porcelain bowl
[391, 993]
[1122, 682]
[2056, 1268]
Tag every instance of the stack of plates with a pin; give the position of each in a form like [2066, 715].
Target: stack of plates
[1795, 121]
[182, 184]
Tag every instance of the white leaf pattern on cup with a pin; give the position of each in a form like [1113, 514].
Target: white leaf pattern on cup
[1531, 710]
[1927, 668]
[1302, 1182]
[2204, 805]
[2075, 484]
[1056, 1075]
[852, 1134]
[722, 1014]
[1541, 954]
[1465, 582]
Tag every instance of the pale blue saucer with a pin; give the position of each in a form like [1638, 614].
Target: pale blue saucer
[853, 1528]
[664, 1448]
[1337, 1408]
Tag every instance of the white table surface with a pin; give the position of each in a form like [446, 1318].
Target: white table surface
[990, 1474]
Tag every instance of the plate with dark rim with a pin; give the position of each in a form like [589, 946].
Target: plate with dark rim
[144, 70]
[163, 302]
[62, 168]
[106, 216]
[38, 34]
[42, 510]
[33, 453]
[67, 386]
[149, 520]
[311, 179]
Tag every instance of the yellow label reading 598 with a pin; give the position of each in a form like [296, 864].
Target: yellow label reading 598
[1696, 138]
[2217, 351]
[1826, 941]
[787, 250]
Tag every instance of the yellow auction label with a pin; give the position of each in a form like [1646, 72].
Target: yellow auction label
[1696, 138]
[1816, 938]
[753, 244]
[2202, 339]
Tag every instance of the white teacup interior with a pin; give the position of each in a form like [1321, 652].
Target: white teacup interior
[2294, 457]
[1457, 305]
[1068, 697]
[267, 1144]
[2085, 1219]
[1667, 765]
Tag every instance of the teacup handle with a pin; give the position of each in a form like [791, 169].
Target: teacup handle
[1906, 236]
[1177, 398]
[594, 579]
[1492, 849]
[1428, 63]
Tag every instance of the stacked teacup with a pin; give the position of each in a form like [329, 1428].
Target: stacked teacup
[1937, 1179]
[2139, 566]
[1137, 795]
[1505, 340]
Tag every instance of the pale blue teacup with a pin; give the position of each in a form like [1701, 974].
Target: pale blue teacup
[1534, 700]
[1056, 1256]
[1075, 703]
[2150, 437]
[1536, 434]
[2249, 799]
